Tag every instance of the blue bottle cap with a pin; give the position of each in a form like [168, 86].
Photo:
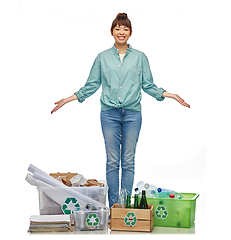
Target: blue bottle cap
[159, 189]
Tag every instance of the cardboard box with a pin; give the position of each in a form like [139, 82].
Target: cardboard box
[64, 177]
[129, 219]
[58, 174]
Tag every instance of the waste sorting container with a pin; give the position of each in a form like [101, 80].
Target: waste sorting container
[174, 212]
[54, 200]
[91, 219]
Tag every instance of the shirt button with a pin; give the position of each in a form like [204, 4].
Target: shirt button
[120, 86]
[119, 65]
[119, 98]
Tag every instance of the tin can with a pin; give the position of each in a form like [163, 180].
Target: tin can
[89, 207]
[82, 217]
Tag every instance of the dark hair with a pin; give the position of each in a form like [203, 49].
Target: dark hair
[121, 19]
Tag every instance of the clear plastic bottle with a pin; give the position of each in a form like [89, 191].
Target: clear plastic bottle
[139, 187]
[166, 193]
[150, 189]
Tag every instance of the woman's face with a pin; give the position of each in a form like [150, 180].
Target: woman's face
[121, 34]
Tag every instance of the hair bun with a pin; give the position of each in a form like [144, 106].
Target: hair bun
[122, 15]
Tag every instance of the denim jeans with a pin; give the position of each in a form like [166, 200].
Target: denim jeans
[120, 129]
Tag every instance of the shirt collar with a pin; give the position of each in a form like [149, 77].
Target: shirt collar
[116, 50]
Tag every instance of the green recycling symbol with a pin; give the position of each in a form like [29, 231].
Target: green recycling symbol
[70, 205]
[130, 219]
[161, 212]
[92, 220]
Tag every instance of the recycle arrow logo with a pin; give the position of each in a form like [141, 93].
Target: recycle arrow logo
[130, 219]
[70, 205]
[92, 220]
[161, 212]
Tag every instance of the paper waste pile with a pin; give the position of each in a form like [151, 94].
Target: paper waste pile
[58, 191]
[50, 223]
[75, 180]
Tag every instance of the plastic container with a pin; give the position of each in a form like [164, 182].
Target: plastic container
[91, 220]
[174, 212]
[55, 201]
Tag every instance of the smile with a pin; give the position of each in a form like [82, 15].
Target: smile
[121, 37]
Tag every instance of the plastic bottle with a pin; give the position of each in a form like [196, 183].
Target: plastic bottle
[143, 201]
[148, 186]
[150, 189]
[139, 187]
[166, 193]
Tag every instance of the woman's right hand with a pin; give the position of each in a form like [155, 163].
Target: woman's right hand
[63, 101]
[59, 105]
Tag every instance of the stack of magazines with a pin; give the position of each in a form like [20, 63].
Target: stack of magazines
[50, 223]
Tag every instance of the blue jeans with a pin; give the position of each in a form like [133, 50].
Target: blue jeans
[120, 129]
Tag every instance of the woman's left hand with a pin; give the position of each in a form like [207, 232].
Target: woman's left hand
[180, 100]
[177, 98]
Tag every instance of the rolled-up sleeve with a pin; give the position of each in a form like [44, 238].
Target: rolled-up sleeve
[93, 82]
[148, 85]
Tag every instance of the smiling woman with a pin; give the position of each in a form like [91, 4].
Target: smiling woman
[121, 30]
[122, 71]
[121, 35]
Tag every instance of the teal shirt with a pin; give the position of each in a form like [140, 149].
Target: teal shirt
[121, 82]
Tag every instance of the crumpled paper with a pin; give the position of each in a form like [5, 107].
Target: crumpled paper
[78, 180]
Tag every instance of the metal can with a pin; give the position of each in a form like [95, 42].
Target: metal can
[89, 207]
[82, 217]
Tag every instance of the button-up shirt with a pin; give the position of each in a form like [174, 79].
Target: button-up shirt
[121, 81]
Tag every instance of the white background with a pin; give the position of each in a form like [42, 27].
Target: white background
[47, 50]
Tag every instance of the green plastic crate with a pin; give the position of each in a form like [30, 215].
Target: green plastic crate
[174, 212]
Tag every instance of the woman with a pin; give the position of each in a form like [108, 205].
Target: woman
[122, 71]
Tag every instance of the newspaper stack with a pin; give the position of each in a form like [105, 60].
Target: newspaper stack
[50, 223]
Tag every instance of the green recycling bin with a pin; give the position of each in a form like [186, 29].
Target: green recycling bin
[174, 212]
